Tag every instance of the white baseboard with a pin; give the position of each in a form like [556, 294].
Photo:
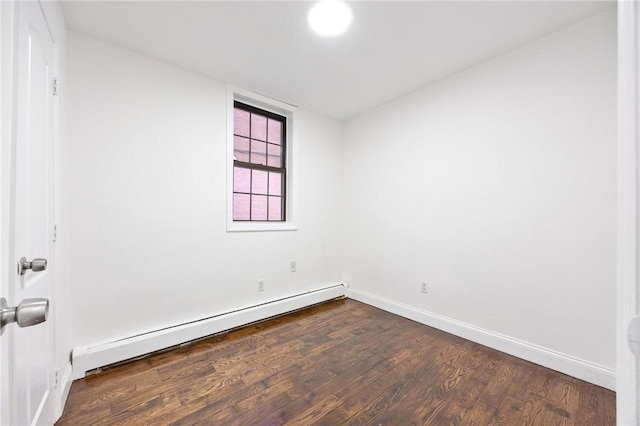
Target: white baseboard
[567, 364]
[90, 357]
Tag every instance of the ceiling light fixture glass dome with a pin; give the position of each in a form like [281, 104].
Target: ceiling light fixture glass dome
[330, 17]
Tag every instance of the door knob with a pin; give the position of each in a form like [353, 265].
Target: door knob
[29, 312]
[36, 265]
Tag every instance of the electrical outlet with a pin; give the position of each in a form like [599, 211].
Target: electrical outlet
[424, 287]
[260, 285]
[293, 266]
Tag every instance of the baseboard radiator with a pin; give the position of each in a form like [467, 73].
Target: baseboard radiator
[91, 357]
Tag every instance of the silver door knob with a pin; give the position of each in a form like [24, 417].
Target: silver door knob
[29, 312]
[36, 265]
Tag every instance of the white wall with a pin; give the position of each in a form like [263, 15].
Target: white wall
[146, 159]
[497, 186]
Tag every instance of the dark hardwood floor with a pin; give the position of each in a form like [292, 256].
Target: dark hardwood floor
[342, 362]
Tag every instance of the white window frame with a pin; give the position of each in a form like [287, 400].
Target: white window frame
[277, 107]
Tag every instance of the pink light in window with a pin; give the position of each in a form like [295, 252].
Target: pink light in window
[258, 207]
[258, 127]
[275, 132]
[275, 184]
[241, 203]
[241, 148]
[240, 122]
[259, 182]
[275, 208]
[241, 179]
[258, 152]
[275, 155]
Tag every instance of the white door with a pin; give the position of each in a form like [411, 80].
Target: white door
[30, 350]
[628, 321]
[6, 16]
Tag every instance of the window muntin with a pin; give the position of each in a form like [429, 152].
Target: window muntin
[259, 172]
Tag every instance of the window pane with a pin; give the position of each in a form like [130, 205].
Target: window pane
[275, 184]
[258, 152]
[258, 187]
[275, 208]
[275, 132]
[241, 179]
[241, 148]
[241, 206]
[240, 122]
[258, 127]
[258, 207]
[275, 155]
[259, 182]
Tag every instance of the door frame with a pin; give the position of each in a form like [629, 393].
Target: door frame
[628, 381]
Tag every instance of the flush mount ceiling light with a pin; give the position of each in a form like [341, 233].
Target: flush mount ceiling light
[330, 17]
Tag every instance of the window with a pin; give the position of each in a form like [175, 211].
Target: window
[259, 166]
[260, 135]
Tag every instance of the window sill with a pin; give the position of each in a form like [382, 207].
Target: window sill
[260, 227]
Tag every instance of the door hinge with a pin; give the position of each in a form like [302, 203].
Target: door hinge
[55, 86]
[54, 236]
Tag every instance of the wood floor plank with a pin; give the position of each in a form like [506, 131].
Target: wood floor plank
[206, 406]
[336, 363]
[436, 394]
[418, 385]
[508, 412]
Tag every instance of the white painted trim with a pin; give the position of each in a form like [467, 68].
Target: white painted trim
[628, 380]
[281, 108]
[64, 387]
[45, 407]
[89, 357]
[585, 370]
[260, 226]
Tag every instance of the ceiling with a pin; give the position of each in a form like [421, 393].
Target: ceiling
[391, 49]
